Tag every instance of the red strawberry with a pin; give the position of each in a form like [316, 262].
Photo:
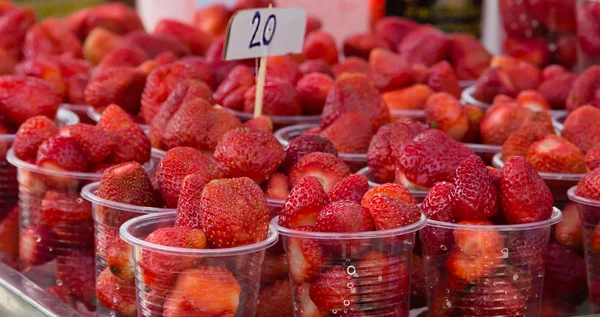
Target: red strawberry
[327, 168]
[9, 230]
[261, 122]
[188, 208]
[280, 98]
[344, 216]
[315, 66]
[438, 205]
[305, 144]
[127, 183]
[389, 189]
[477, 242]
[468, 56]
[351, 188]
[565, 270]
[283, 68]
[274, 267]
[588, 186]
[424, 45]
[305, 257]
[568, 232]
[275, 300]
[277, 187]
[389, 70]
[123, 56]
[441, 78]
[382, 276]
[501, 121]
[206, 290]
[493, 296]
[524, 196]
[584, 89]
[96, 143]
[61, 292]
[533, 100]
[37, 245]
[518, 143]
[76, 271]
[465, 268]
[31, 134]
[517, 19]
[231, 91]
[351, 65]
[197, 40]
[303, 204]
[592, 157]
[320, 44]
[249, 153]
[60, 207]
[312, 91]
[556, 155]
[445, 113]
[431, 157]
[581, 127]
[361, 44]
[493, 82]
[330, 290]
[61, 154]
[234, 212]
[389, 212]
[132, 142]
[120, 260]
[474, 194]
[116, 294]
[350, 133]
[174, 167]
[117, 85]
[523, 75]
[552, 71]
[393, 29]
[533, 50]
[40, 97]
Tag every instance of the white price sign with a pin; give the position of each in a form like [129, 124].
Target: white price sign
[257, 33]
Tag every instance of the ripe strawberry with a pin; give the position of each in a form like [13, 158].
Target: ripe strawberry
[9, 230]
[584, 89]
[493, 296]
[31, 134]
[389, 212]
[592, 157]
[283, 68]
[588, 185]
[312, 92]
[120, 260]
[327, 168]
[249, 153]
[424, 45]
[230, 224]
[389, 189]
[188, 208]
[533, 100]
[389, 70]
[501, 121]
[231, 91]
[478, 242]
[117, 85]
[133, 144]
[275, 300]
[39, 96]
[303, 204]
[568, 232]
[410, 98]
[351, 188]
[474, 194]
[206, 290]
[44, 68]
[394, 29]
[361, 44]
[580, 127]
[280, 98]
[442, 78]
[344, 216]
[305, 257]
[305, 144]
[116, 294]
[61, 154]
[533, 50]
[517, 19]
[277, 187]
[464, 268]
[315, 66]
[474, 117]
[556, 155]
[60, 207]
[261, 122]
[552, 71]
[76, 271]
[96, 143]
[468, 56]
[524, 196]
[565, 270]
[330, 290]
[445, 113]
[174, 167]
[320, 45]
[127, 183]
[431, 157]
[382, 276]
[37, 245]
[493, 82]
[123, 56]
[197, 40]
[350, 133]
[518, 143]
[351, 65]
[352, 92]
[438, 205]
[522, 74]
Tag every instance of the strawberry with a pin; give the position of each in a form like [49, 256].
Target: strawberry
[305, 144]
[351, 65]
[330, 290]
[305, 257]
[280, 98]
[123, 56]
[351, 188]
[327, 168]
[533, 50]
[533, 100]
[350, 133]
[474, 194]
[234, 212]
[584, 89]
[249, 153]
[389, 212]
[122, 86]
[442, 78]
[493, 82]
[116, 294]
[197, 40]
[493, 296]
[31, 134]
[261, 122]
[315, 66]
[592, 158]
[409, 98]
[431, 157]
[523, 75]
[61, 292]
[476, 242]
[466, 268]
[468, 56]
[60, 207]
[361, 44]
[568, 232]
[580, 127]
[518, 143]
[355, 92]
[424, 45]
[312, 92]
[9, 230]
[283, 68]
[206, 290]
[556, 155]
[320, 45]
[40, 97]
[230, 93]
[158, 269]
[120, 260]
[389, 70]
[517, 19]
[277, 186]
[382, 276]
[61, 154]
[303, 204]
[474, 117]
[188, 207]
[552, 71]
[445, 113]
[175, 166]
[37, 245]
[438, 205]
[524, 196]
[565, 270]
[344, 216]
[76, 271]
[275, 300]
[127, 183]
[96, 143]
[133, 144]
[389, 189]
[588, 185]
[393, 29]
[501, 121]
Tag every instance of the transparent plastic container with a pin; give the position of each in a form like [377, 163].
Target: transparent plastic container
[81, 111]
[495, 270]
[369, 271]
[279, 121]
[112, 252]
[206, 274]
[559, 183]
[95, 116]
[417, 194]
[589, 211]
[56, 226]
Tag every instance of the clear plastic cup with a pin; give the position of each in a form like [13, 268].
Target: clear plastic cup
[81, 111]
[203, 273]
[369, 272]
[56, 225]
[112, 252]
[95, 116]
[589, 211]
[417, 194]
[278, 121]
[495, 270]
[559, 183]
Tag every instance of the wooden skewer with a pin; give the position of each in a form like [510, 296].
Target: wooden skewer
[260, 83]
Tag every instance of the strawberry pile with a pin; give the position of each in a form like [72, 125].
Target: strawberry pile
[471, 260]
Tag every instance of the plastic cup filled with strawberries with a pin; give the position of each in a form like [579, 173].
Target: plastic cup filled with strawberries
[587, 32]
[485, 239]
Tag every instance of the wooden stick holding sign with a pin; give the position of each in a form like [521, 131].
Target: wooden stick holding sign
[260, 33]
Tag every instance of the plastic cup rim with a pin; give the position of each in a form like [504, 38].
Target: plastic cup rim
[581, 200]
[67, 116]
[498, 163]
[95, 116]
[554, 219]
[88, 192]
[415, 192]
[271, 239]
[413, 227]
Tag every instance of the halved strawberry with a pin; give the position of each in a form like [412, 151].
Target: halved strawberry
[303, 204]
[389, 212]
[556, 155]
[304, 144]
[188, 207]
[61, 154]
[330, 290]
[277, 186]
[351, 188]
[31, 134]
[96, 143]
[77, 272]
[116, 294]
[474, 194]
[327, 168]
[133, 143]
[306, 307]
[120, 260]
[533, 100]
[60, 207]
[344, 216]
[389, 189]
[519, 142]
[305, 257]
[350, 133]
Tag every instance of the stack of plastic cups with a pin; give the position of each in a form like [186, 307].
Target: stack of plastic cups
[202, 274]
[369, 271]
[112, 252]
[485, 270]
